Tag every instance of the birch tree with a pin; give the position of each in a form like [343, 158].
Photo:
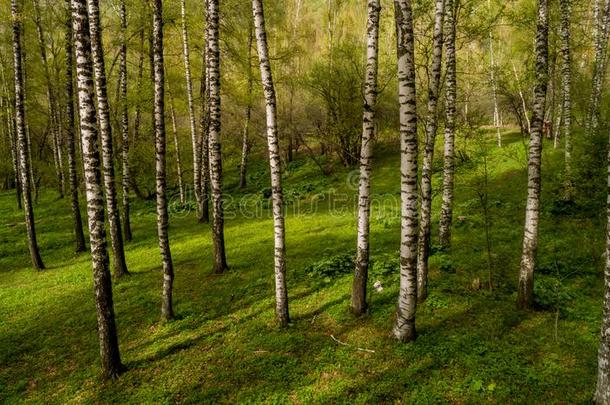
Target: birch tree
[114, 219]
[55, 124]
[602, 20]
[204, 125]
[172, 112]
[602, 389]
[245, 140]
[106, 326]
[358, 304]
[431, 129]
[126, 177]
[446, 216]
[404, 328]
[566, 82]
[12, 135]
[167, 311]
[532, 210]
[71, 135]
[22, 141]
[281, 293]
[191, 108]
[213, 71]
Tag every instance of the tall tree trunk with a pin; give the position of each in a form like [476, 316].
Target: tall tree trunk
[204, 126]
[172, 111]
[114, 219]
[12, 134]
[431, 129]
[602, 20]
[167, 311]
[126, 178]
[53, 113]
[532, 210]
[245, 141]
[191, 107]
[494, 87]
[404, 328]
[106, 326]
[281, 293]
[359, 305]
[602, 389]
[137, 120]
[22, 142]
[28, 138]
[566, 85]
[213, 63]
[70, 136]
[450, 114]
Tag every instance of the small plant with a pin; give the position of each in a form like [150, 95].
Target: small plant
[330, 268]
[386, 265]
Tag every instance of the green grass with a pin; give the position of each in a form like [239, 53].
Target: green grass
[473, 346]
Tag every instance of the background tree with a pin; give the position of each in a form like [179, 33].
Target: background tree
[23, 144]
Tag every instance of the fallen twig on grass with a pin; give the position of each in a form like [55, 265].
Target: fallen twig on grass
[346, 344]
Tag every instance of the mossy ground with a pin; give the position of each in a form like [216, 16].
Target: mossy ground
[473, 345]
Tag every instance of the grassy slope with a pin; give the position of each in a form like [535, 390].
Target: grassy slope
[473, 345]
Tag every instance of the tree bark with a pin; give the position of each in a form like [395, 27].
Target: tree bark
[213, 69]
[404, 328]
[191, 108]
[126, 178]
[602, 389]
[167, 311]
[204, 125]
[70, 136]
[245, 141]
[359, 304]
[114, 219]
[532, 211]
[566, 84]
[107, 333]
[22, 142]
[450, 114]
[53, 113]
[281, 292]
[599, 70]
[172, 111]
[431, 129]
[12, 134]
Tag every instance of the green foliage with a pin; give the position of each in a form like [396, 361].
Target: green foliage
[330, 268]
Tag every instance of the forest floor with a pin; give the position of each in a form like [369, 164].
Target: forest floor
[473, 345]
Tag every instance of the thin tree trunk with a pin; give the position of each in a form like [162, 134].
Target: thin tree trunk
[245, 141]
[191, 108]
[167, 311]
[602, 389]
[106, 326]
[12, 134]
[70, 136]
[281, 292]
[523, 104]
[404, 328]
[126, 178]
[359, 304]
[28, 138]
[530, 236]
[114, 219]
[599, 69]
[20, 120]
[450, 114]
[53, 105]
[566, 85]
[204, 126]
[213, 63]
[176, 145]
[431, 129]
